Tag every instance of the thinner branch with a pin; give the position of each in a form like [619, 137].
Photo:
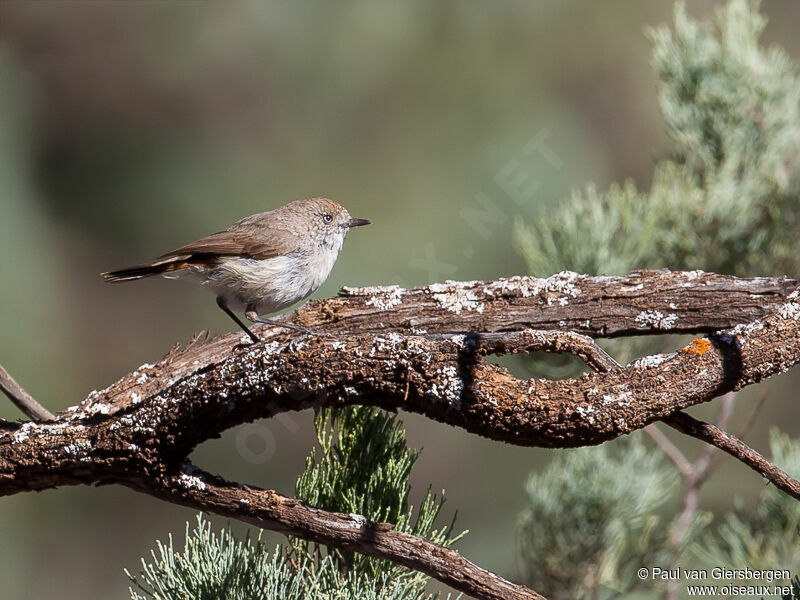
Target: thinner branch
[22, 399]
[736, 448]
[268, 509]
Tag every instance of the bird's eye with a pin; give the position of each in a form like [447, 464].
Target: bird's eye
[327, 218]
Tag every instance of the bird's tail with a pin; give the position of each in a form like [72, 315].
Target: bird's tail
[161, 267]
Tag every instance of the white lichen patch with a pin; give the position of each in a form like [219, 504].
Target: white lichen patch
[191, 482]
[586, 412]
[455, 296]
[77, 447]
[142, 378]
[790, 310]
[99, 409]
[656, 319]
[367, 290]
[795, 294]
[270, 348]
[395, 338]
[338, 345]
[449, 386]
[557, 289]
[650, 361]
[23, 433]
[358, 520]
[459, 340]
[624, 398]
[388, 297]
[244, 501]
[101, 393]
[388, 344]
[747, 328]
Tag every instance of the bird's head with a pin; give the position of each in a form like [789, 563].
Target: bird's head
[325, 220]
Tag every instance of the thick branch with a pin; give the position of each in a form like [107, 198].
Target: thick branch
[640, 303]
[421, 350]
[194, 394]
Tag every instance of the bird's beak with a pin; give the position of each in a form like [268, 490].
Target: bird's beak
[358, 222]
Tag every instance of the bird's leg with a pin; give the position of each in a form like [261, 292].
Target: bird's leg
[232, 315]
[253, 317]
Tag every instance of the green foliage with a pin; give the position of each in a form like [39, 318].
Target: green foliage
[597, 515]
[220, 566]
[728, 202]
[212, 567]
[795, 593]
[363, 467]
[769, 537]
[591, 520]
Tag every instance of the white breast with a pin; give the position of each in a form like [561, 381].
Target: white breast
[272, 284]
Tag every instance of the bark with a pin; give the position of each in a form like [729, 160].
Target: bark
[422, 350]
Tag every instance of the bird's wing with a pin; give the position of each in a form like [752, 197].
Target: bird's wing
[248, 238]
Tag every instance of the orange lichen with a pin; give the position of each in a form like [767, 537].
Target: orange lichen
[699, 346]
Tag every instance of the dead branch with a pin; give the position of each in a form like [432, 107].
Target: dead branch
[422, 350]
[269, 510]
[22, 399]
[736, 448]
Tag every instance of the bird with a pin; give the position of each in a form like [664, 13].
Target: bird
[261, 264]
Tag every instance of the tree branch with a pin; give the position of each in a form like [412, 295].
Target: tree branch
[422, 350]
[269, 510]
[736, 448]
[22, 399]
[670, 450]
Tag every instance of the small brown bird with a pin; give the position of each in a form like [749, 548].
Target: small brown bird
[262, 264]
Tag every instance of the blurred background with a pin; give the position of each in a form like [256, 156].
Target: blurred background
[130, 128]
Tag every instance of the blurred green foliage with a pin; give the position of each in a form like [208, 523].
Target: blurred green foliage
[767, 537]
[591, 515]
[728, 202]
[128, 128]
